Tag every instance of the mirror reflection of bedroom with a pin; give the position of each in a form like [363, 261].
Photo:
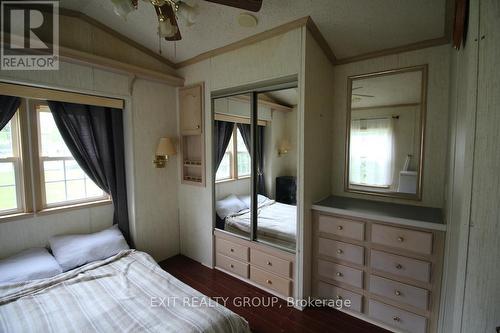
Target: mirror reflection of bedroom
[275, 165]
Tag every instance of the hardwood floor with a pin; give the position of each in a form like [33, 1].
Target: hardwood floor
[276, 318]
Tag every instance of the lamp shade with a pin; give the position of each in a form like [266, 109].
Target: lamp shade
[122, 7]
[165, 147]
[166, 28]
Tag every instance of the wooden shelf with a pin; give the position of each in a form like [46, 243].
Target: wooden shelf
[191, 103]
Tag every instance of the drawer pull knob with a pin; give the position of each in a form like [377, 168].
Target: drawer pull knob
[397, 293]
[269, 263]
[339, 251]
[401, 239]
[340, 227]
[339, 297]
[198, 126]
[396, 319]
[232, 250]
[232, 266]
[269, 282]
[399, 266]
[339, 274]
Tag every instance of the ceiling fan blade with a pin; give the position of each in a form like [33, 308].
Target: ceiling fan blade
[361, 95]
[251, 5]
[166, 12]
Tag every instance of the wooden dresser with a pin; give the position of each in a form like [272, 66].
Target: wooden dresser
[264, 266]
[385, 258]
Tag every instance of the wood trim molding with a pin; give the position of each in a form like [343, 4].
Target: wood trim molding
[25, 91]
[246, 41]
[385, 106]
[75, 56]
[395, 50]
[116, 34]
[236, 119]
[272, 105]
[323, 44]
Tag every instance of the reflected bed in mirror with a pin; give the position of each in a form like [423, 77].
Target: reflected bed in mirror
[276, 166]
[385, 133]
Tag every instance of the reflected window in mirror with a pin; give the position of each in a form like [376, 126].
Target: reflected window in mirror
[272, 218]
[385, 132]
[235, 163]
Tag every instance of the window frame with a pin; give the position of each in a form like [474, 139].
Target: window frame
[22, 166]
[38, 168]
[234, 160]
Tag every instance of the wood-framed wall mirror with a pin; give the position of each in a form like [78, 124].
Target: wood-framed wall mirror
[385, 133]
[255, 164]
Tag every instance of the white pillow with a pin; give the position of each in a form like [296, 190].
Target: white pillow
[31, 264]
[229, 205]
[246, 199]
[72, 251]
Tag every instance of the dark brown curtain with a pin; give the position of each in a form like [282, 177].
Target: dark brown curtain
[8, 107]
[94, 136]
[246, 135]
[223, 133]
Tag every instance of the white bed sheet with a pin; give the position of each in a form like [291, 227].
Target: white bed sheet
[275, 221]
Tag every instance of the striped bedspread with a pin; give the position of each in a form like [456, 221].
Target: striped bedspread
[128, 292]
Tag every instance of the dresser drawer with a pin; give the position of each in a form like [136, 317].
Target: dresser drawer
[401, 319]
[271, 263]
[411, 240]
[328, 291]
[271, 281]
[341, 250]
[400, 292]
[401, 266]
[231, 249]
[341, 227]
[340, 273]
[231, 265]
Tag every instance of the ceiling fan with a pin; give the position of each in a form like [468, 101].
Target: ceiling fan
[168, 12]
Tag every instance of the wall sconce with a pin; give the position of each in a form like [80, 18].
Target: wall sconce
[165, 148]
[284, 148]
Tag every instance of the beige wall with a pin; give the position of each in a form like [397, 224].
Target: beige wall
[434, 172]
[315, 125]
[471, 289]
[78, 34]
[251, 64]
[152, 194]
[282, 127]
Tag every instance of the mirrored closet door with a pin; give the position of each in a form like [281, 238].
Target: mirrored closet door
[255, 156]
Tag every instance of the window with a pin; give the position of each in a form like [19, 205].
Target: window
[10, 168]
[236, 161]
[244, 164]
[224, 172]
[371, 152]
[63, 182]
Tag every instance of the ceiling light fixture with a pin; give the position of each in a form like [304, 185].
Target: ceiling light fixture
[247, 20]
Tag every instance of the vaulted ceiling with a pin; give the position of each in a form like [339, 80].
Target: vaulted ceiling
[351, 27]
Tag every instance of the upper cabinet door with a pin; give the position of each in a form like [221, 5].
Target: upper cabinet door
[191, 109]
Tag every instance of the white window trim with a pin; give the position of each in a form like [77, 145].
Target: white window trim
[38, 159]
[16, 160]
[233, 161]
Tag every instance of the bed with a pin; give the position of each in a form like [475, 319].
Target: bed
[276, 223]
[127, 292]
